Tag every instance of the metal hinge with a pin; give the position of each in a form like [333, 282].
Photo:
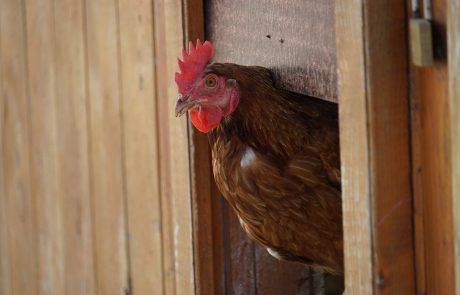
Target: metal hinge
[421, 40]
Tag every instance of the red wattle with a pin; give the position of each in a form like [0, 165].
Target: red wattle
[206, 119]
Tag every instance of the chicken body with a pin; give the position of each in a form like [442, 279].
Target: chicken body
[276, 161]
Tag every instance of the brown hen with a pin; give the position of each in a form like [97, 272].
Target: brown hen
[275, 156]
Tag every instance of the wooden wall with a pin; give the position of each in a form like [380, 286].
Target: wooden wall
[102, 190]
[87, 204]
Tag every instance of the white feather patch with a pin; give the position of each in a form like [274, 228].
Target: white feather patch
[273, 253]
[248, 157]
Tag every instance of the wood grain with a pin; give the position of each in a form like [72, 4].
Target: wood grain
[206, 209]
[43, 139]
[140, 145]
[431, 129]
[453, 33]
[162, 81]
[295, 39]
[106, 158]
[354, 148]
[72, 148]
[417, 179]
[388, 115]
[19, 204]
[5, 280]
[374, 142]
[175, 161]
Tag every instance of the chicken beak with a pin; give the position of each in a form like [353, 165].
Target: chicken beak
[184, 103]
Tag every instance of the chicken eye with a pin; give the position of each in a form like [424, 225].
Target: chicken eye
[211, 82]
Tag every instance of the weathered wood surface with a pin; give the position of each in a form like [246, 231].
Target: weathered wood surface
[140, 141]
[296, 39]
[83, 204]
[433, 121]
[73, 159]
[22, 235]
[43, 140]
[5, 280]
[207, 215]
[453, 35]
[174, 148]
[374, 119]
[105, 147]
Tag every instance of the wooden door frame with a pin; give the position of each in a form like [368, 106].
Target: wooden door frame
[453, 40]
[374, 136]
[373, 70]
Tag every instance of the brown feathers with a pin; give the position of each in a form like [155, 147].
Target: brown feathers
[276, 161]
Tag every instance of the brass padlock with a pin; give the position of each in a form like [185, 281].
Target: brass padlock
[421, 42]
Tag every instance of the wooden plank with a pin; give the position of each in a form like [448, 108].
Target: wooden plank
[374, 140]
[164, 148]
[417, 190]
[431, 129]
[43, 153]
[388, 115]
[106, 147]
[5, 280]
[19, 204]
[354, 148]
[140, 144]
[453, 36]
[174, 164]
[417, 175]
[207, 223]
[162, 81]
[72, 148]
[295, 39]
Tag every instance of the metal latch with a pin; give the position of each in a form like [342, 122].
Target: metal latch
[421, 42]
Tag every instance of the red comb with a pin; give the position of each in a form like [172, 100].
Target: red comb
[192, 64]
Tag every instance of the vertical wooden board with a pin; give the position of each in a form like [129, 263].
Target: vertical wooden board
[218, 243]
[354, 152]
[417, 172]
[140, 145]
[417, 192]
[43, 154]
[206, 209]
[20, 214]
[5, 283]
[374, 142]
[388, 117]
[436, 166]
[208, 263]
[161, 100]
[175, 167]
[453, 35]
[180, 178]
[106, 147]
[72, 148]
[430, 92]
